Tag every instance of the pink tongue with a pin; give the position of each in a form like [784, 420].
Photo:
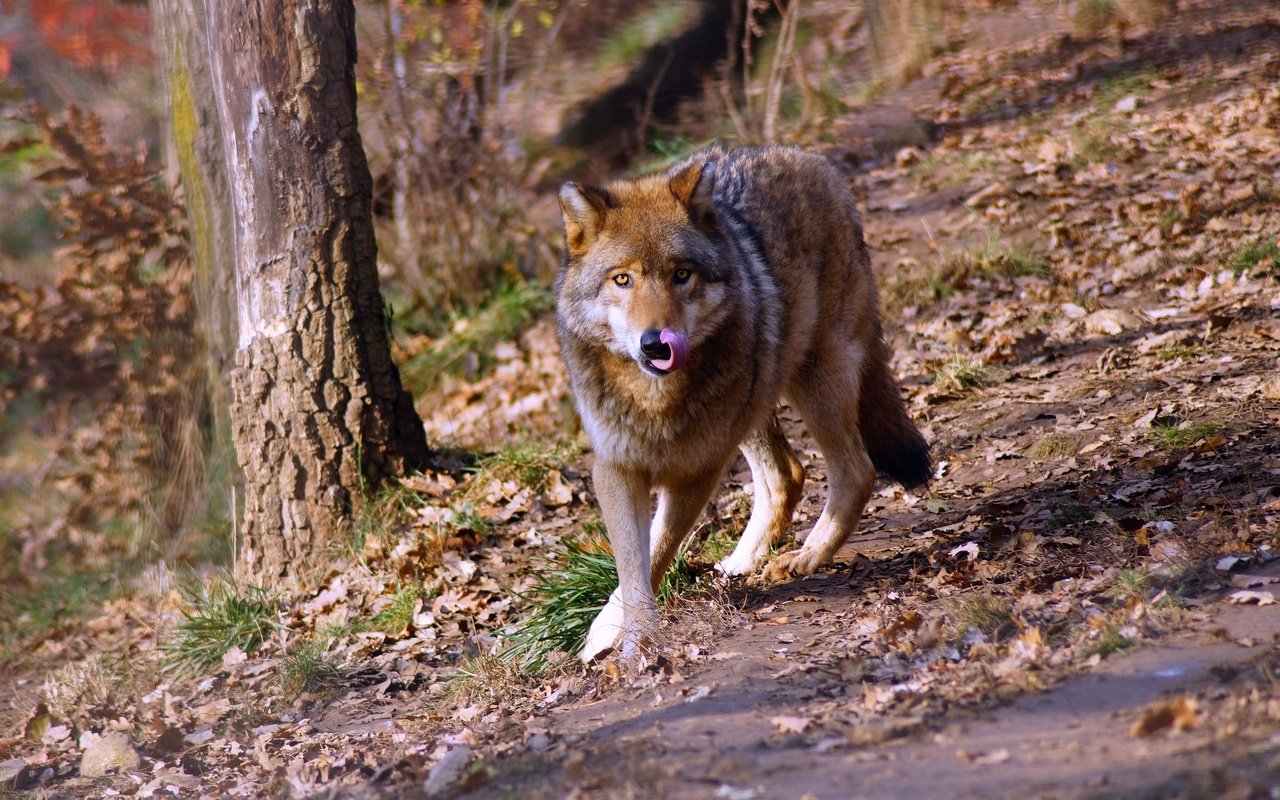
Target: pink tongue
[679, 347]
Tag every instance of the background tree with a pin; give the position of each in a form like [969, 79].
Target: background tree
[318, 408]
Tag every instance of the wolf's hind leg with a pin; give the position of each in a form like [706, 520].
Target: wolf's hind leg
[778, 480]
[828, 402]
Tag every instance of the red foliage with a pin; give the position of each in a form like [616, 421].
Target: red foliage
[91, 34]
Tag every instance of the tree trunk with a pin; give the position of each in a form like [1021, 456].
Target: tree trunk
[195, 139]
[318, 408]
[195, 157]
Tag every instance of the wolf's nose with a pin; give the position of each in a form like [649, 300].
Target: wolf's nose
[652, 346]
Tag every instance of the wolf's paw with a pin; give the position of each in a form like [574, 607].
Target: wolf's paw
[606, 630]
[736, 564]
[794, 564]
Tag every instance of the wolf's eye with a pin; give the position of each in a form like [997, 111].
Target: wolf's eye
[682, 275]
[622, 280]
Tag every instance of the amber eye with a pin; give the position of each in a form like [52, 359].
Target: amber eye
[622, 280]
[682, 275]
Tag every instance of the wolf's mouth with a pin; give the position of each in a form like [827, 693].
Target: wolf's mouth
[677, 347]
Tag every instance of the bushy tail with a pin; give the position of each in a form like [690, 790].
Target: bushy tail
[893, 441]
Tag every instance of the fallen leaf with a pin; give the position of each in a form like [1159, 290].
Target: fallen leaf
[1251, 581]
[978, 757]
[448, 770]
[1174, 715]
[110, 753]
[1247, 597]
[787, 724]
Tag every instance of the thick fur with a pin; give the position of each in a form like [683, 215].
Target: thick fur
[757, 257]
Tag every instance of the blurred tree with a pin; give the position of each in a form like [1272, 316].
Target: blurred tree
[318, 409]
[195, 154]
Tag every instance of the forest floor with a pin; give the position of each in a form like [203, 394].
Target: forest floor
[1076, 243]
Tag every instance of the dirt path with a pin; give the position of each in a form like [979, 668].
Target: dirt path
[711, 734]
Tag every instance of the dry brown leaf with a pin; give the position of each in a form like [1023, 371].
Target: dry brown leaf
[1250, 597]
[1174, 715]
[788, 724]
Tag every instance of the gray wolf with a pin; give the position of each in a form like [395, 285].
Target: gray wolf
[689, 303]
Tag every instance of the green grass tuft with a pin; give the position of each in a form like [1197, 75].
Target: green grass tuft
[1180, 437]
[987, 614]
[393, 619]
[1070, 514]
[1128, 583]
[567, 593]
[1055, 445]
[1091, 17]
[1110, 640]
[1262, 254]
[528, 463]
[960, 374]
[308, 666]
[223, 614]
[1174, 352]
[382, 512]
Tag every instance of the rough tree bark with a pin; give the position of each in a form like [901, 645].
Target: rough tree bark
[318, 406]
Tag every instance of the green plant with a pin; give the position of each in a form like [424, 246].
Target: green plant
[395, 618]
[222, 614]
[1262, 253]
[960, 374]
[954, 168]
[1128, 583]
[1070, 514]
[567, 592]
[35, 607]
[1107, 640]
[308, 666]
[987, 614]
[652, 26]
[465, 517]
[1055, 445]
[1173, 352]
[382, 512]
[528, 463]
[1173, 436]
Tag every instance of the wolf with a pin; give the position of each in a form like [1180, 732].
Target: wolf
[689, 303]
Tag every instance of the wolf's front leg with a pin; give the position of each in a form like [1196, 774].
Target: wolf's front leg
[624, 503]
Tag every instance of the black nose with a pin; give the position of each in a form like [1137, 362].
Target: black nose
[652, 346]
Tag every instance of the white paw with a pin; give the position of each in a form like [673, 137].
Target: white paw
[738, 563]
[605, 630]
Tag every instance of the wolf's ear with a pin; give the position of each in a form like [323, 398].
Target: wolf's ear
[694, 186]
[584, 207]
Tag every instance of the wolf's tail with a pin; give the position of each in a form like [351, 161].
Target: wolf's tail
[893, 441]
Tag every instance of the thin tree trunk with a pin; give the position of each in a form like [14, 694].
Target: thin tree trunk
[318, 406]
[195, 154]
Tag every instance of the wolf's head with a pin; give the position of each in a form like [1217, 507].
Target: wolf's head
[647, 272]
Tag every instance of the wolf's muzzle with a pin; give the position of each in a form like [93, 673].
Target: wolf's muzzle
[666, 350]
[652, 346]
